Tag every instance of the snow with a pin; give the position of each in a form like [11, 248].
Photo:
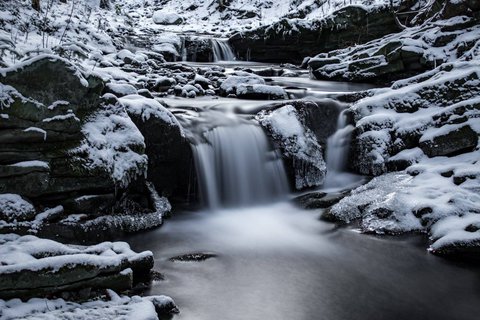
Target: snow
[116, 307]
[35, 129]
[147, 107]
[122, 89]
[19, 253]
[33, 163]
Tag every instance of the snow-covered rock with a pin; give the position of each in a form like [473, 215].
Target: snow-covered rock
[230, 85]
[112, 306]
[33, 267]
[161, 17]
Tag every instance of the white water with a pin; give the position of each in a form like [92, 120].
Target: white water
[222, 51]
[337, 156]
[236, 167]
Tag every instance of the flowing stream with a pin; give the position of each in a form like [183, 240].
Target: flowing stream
[275, 261]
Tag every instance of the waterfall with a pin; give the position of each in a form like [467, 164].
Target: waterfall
[222, 51]
[184, 49]
[338, 146]
[237, 167]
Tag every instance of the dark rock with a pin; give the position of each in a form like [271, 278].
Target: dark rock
[288, 41]
[319, 200]
[193, 257]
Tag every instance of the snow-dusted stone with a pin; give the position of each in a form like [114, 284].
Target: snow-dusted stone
[32, 267]
[160, 17]
[260, 92]
[299, 146]
[449, 139]
[120, 89]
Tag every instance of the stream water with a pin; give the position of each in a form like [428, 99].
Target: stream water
[276, 261]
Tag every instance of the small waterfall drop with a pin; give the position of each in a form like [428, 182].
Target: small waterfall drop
[222, 51]
[338, 146]
[236, 167]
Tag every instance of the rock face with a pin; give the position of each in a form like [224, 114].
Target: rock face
[291, 40]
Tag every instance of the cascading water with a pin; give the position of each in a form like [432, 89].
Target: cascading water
[222, 51]
[338, 146]
[237, 167]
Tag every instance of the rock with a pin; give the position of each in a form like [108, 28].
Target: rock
[48, 79]
[319, 200]
[230, 85]
[170, 158]
[301, 151]
[460, 140]
[49, 268]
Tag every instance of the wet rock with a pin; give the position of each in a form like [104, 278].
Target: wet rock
[193, 257]
[319, 200]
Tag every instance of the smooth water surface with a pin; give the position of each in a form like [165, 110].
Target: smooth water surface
[279, 262]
